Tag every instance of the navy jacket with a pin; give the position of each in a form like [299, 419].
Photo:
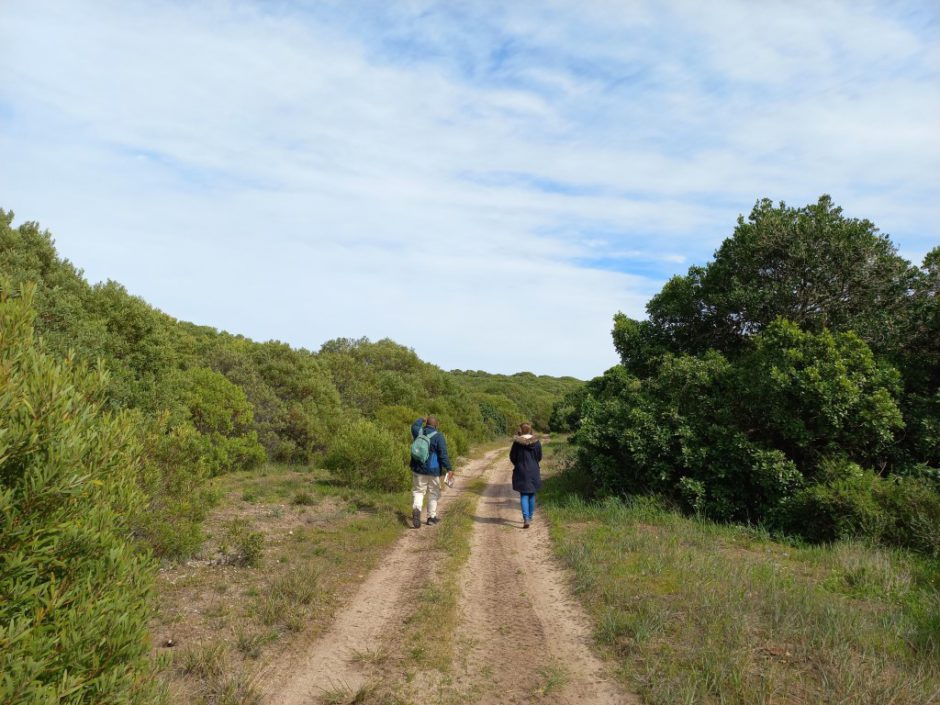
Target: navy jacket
[526, 454]
[438, 457]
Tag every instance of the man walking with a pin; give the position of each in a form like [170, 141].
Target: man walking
[428, 456]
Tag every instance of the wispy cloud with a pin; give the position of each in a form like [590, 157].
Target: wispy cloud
[307, 170]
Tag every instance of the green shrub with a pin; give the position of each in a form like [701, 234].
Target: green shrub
[857, 503]
[174, 478]
[914, 507]
[73, 592]
[842, 508]
[397, 421]
[251, 548]
[365, 455]
[220, 412]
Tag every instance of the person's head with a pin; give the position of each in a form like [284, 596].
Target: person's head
[431, 421]
[525, 428]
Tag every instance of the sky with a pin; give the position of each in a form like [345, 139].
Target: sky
[485, 182]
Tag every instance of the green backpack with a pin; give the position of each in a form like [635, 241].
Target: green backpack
[421, 447]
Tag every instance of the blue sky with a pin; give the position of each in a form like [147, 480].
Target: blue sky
[487, 183]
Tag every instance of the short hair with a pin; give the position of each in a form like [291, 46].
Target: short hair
[432, 421]
[525, 428]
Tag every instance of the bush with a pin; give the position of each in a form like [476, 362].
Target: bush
[914, 507]
[747, 432]
[174, 478]
[367, 456]
[73, 592]
[857, 503]
[220, 413]
[842, 508]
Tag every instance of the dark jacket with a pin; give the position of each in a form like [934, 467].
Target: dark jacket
[438, 458]
[526, 454]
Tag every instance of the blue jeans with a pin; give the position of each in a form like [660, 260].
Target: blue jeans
[527, 499]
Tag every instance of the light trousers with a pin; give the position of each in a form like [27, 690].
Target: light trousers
[425, 484]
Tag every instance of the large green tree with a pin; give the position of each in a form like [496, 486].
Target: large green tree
[805, 347]
[810, 265]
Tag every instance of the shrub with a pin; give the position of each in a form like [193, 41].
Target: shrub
[397, 421]
[73, 591]
[842, 508]
[914, 507]
[367, 456]
[857, 503]
[174, 476]
[221, 414]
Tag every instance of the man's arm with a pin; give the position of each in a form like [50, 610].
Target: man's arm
[442, 452]
[416, 428]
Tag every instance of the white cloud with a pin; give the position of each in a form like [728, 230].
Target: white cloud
[285, 174]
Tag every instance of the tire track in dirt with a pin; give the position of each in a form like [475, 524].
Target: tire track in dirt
[372, 617]
[522, 633]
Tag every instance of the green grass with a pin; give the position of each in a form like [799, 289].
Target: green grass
[696, 612]
[451, 539]
[551, 678]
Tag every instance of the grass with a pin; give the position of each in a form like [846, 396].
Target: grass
[696, 612]
[451, 539]
[552, 677]
[414, 666]
[284, 547]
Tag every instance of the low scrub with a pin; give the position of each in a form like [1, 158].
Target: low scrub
[74, 591]
[897, 511]
[367, 456]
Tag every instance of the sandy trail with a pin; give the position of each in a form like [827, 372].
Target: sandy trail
[520, 634]
[523, 632]
[373, 616]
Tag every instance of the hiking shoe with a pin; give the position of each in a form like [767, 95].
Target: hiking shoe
[432, 521]
[525, 524]
[416, 518]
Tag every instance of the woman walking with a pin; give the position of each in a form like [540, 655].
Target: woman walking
[526, 454]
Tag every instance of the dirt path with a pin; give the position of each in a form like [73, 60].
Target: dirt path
[520, 635]
[524, 633]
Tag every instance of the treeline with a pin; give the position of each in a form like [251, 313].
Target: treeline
[113, 417]
[208, 402]
[503, 399]
[792, 381]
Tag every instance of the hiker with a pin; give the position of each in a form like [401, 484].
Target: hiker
[428, 456]
[526, 454]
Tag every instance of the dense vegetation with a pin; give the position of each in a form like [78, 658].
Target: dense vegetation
[113, 418]
[73, 591]
[793, 381]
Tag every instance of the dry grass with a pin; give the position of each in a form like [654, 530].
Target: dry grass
[693, 611]
[451, 541]
[425, 663]
[283, 548]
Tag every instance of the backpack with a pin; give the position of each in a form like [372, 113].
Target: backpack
[421, 447]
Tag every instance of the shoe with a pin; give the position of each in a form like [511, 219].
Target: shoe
[416, 518]
[525, 524]
[432, 521]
